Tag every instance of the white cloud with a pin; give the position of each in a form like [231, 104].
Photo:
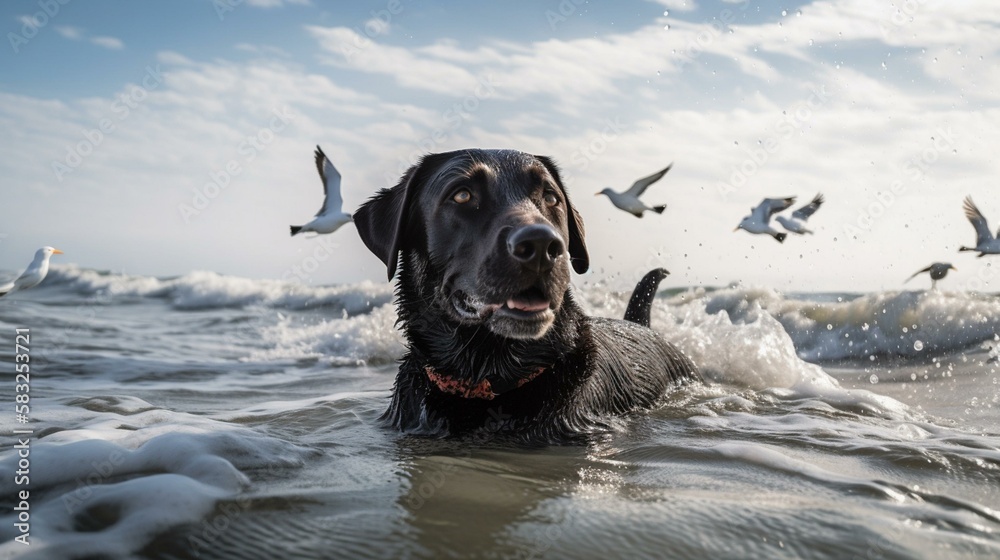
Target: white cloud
[712, 116]
[69, 32]
[79, 34]
[679, 5]
[348, 49]
[108, 42]
[263, 50]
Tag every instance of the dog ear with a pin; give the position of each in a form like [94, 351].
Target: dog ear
[382, 221]
[577, 246]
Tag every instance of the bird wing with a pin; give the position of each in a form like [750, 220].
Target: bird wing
[331, 184]
[983, 234]
[809, 209]
[641, 185]
[767, 208]
[928, 269]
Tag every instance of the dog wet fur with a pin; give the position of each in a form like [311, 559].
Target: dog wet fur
[484, 241]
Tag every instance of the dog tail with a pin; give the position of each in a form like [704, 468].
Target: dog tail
[295, 229]
[643, 295]
[659, 209]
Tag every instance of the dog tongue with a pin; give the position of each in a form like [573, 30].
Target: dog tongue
[530, 305]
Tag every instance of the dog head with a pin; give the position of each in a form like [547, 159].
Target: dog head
[493, 232]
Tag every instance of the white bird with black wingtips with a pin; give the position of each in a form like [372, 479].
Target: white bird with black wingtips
[986, 242]
[331, 216]
[937, 271]
[797, 223]
[629, 200]
[32, 275]
[759, 220]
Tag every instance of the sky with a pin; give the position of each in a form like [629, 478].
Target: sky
[164, 138]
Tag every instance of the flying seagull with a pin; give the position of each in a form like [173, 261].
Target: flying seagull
[331, 216]
[937, 270]
[629, 200]
[986, 242]
[760, 217]
[32, 275]
[797, 223]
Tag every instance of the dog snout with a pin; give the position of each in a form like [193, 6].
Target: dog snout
[535, 246]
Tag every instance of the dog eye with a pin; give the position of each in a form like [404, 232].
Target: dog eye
[550, 199]
[462, 196]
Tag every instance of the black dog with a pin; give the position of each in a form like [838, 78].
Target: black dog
[484, 240]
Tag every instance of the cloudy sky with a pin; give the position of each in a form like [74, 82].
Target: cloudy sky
[161, 138]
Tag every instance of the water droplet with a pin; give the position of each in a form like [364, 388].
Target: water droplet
[784, 13]
[829, 327]
[810, 42]
[873, 379]
[918, 346]
[666, 27]
[913, 377]
[666, 12]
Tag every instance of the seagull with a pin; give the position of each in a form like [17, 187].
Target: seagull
[331, 216]
[760, 216]
[938, 271]
[32, 275]
[986, 242]
[797, 223]
[629, 200]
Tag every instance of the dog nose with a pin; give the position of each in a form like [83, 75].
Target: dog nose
[536, 246]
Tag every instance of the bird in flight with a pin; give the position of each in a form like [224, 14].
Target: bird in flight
[986, 242]
[797, 223]
[759, 220]
[629, 200]
[937, 271]
[331, 215]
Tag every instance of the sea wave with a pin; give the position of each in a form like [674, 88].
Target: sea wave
[209, 290]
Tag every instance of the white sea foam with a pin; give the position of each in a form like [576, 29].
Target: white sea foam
[208, 290]
[363, 339]
[124, 471]
[894, 323]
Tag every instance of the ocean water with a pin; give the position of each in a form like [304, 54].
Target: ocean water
[206, 416]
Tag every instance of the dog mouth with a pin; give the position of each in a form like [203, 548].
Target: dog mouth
[527, 304]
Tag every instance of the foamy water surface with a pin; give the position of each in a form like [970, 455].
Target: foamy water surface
[207, 416]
